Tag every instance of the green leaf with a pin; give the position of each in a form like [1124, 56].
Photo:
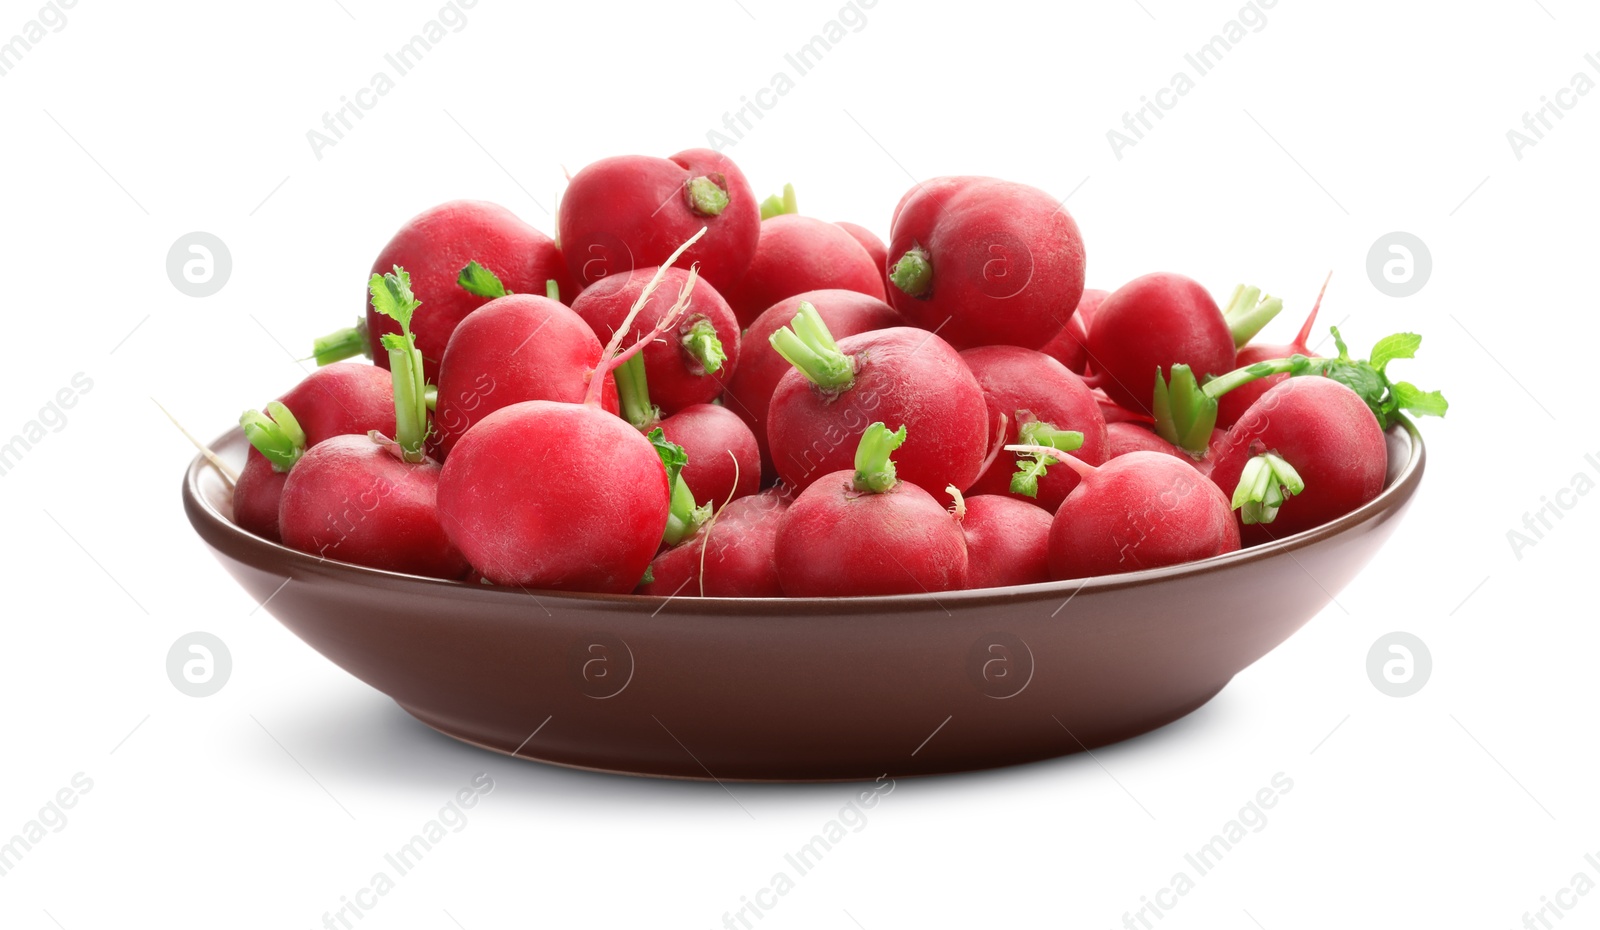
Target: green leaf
[480, 281]
[392, 297]
[672, 455]
[1362, 378]
[1389, 348]
[1413, 399]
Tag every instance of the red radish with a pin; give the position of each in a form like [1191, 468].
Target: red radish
[985, 262]
[864, 532]
[632, 211]
[1232, 405]
[733, 556]
[545, 494]
[1312, 436]
[686, 365]
[1070, 345]
[1122, 438]
[514, 348]
[1116, 413]
[1041, 401]
[1008, 541]
[1137, 511]
[874, 246]
[331, 401]
[836, 388]
[352, 499]
[749, 392]
[1162, 320]
[797, 254]
[434, 247]
[368, 499]
[724, 461]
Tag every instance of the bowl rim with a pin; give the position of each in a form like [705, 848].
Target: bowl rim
[223, 534]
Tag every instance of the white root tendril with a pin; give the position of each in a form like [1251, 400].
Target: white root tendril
[958, 504]
[705, 531]
[228, 474]
[611, 357]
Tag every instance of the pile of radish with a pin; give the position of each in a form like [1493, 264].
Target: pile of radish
[693, 392]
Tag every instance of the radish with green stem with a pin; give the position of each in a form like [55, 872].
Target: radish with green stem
[370, 499]
[1158, 321]
[514, 348]
[329, 402]
[1045, 404]
[724, 459]
[749, 391]
[734, 555]
[901, 374]
[688, 364]
[1312, 448]
[1137, 511]
[985, 262]
[1232, 405]
[546, 494]
[434, 247]
[1186, 411]
[865, 531]
[632, 211]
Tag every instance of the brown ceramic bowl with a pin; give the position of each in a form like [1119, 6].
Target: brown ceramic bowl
[804, 690]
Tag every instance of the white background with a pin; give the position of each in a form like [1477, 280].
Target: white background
[261, 806]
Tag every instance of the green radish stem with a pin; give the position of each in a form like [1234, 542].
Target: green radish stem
[1030, 468]
[913, 273]
[1248, 312]
[875, 471]
[1265, 483]
[552, 290]
[633, 394]
[342, 344]
[684, 517]
[276, 434]
[612, 357]
[706, 196]
[702, 344]
[1186, 413]
[431, 394]
[1084, 469]
[807, 345]
[392, 297]
[778, 206]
